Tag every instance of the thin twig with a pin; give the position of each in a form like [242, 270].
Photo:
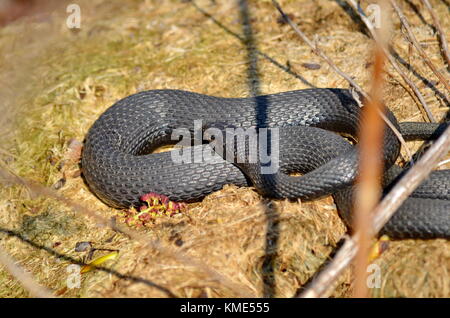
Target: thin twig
[383, 212]
[40, 190]
[443, 162]
[442, 39]
[392, 60]
[319, 52]
[412, 179]
[25, 279]
[416, 44]
[348, 251]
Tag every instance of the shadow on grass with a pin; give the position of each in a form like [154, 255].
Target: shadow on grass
[244, 39]
[261, 105]
[430, 84]
[72, 260]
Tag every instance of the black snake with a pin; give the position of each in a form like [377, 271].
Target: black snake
[119, 167]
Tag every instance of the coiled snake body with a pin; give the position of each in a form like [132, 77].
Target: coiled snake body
[119, 168]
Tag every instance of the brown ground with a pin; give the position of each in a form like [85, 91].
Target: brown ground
[55, 82]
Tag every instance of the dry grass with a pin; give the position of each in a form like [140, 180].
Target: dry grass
[67, 79]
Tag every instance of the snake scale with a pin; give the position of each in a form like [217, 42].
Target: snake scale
[119, 167]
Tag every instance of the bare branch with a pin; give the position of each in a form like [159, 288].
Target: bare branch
[320, 286]
[443, 40]
[443, 162]
[40, 190]
[382, 213]
[25, 279]
[392, 60]
[319, 52]
[416, 44]
[412, 179]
